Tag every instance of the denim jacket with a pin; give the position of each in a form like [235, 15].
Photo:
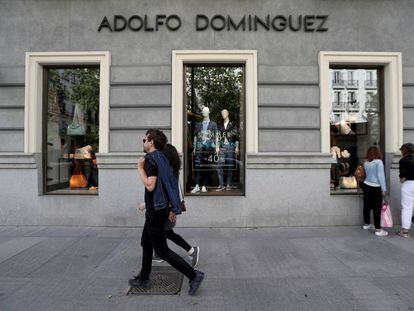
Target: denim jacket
[166, 190]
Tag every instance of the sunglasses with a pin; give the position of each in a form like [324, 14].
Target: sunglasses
[145, 140]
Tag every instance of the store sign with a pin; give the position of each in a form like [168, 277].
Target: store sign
[304, 23]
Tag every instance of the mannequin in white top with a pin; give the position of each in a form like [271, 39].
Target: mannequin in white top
[204, 145]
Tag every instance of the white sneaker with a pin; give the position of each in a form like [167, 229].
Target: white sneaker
[381, 233]
[366, 227]
[196, 189]
[203, 189]
[220, 188]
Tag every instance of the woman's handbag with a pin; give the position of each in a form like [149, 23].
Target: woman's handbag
[386, 217]
[182, 204]
[168, 225]
[77, 180]
[349, 182]
[360, 173]
[77, 127]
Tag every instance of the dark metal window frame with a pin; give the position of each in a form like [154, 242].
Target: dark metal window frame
[185, 131]
[45, 87]
[380, 92]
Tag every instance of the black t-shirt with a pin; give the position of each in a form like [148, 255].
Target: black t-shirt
[407, 167]
[151, 170]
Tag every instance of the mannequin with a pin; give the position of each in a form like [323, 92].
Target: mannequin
[205, 141]
[227, 149]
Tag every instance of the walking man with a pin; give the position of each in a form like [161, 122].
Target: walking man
[161, 189]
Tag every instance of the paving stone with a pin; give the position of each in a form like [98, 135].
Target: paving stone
[123, 262]
[20, 230]
[79, 259]
[333, 268]
[56, 232]
[373, 297]
[16, 245]
[115, 232]
[31, 259]
[8, 285]
[321, 259]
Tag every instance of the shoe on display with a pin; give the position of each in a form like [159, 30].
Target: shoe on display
[228, 187]
[220, 188]
[195, 255]
[137, 282]
[196, 189]
[381, 232]
[366, 227]
[196, 282]
[404, 233]
[203, 189]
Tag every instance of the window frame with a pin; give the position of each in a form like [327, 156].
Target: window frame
[391, 62]
[247, 57]
[242, 143]
[45, 107]
[33, 122]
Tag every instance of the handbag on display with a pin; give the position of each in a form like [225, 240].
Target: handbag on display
[83, 153]
[78, 180]
[77, 127]
[386, 217]
[349, 182]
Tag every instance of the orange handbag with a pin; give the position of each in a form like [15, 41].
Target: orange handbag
[77, 180]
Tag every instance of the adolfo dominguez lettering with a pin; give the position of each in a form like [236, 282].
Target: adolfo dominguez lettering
[274, 23]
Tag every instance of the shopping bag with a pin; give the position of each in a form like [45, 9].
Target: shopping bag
[386, 217]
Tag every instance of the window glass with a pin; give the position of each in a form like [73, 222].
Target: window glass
[355, 125]
[71, 129]
[214, 129]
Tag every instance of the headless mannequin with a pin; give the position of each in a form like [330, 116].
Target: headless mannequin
[227, 149]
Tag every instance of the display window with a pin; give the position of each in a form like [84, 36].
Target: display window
[71, 129]
[214, 130]
[355, 124]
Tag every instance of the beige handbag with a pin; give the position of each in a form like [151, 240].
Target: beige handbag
[349, 182]
[83, 153]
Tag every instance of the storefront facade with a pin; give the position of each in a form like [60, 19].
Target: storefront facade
[271, 106]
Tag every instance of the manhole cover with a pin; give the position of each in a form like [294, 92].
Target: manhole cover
[164, 281]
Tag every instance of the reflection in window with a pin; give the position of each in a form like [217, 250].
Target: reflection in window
[71, 129]
[215, 112]
[355, 126]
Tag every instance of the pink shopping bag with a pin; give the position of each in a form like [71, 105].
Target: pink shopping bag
[386, 217]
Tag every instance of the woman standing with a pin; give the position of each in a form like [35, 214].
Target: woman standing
[374, 189]
[407, 188]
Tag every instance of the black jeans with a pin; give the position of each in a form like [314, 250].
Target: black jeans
[372, 201]
[177, 239]
[154, 238]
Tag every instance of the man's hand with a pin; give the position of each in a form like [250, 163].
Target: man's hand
[383, 193]
[172, 217]
[141, 163]
[237, 150]
[141, 206]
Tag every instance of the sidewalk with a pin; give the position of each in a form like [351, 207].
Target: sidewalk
[87, 268]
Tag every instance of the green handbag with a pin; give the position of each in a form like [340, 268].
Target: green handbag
[77, 127]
